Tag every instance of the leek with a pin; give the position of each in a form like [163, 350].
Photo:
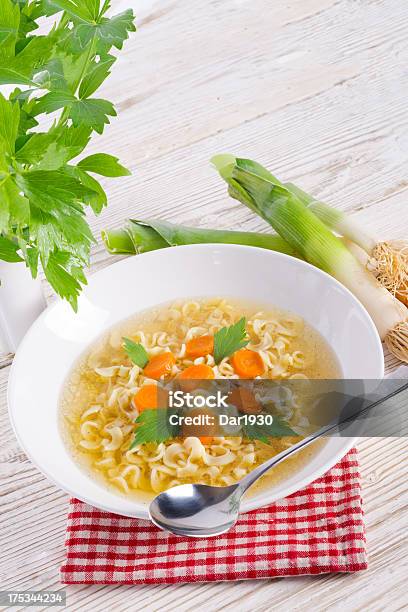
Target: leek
[388, 260]
[313, 240]
[142, 236]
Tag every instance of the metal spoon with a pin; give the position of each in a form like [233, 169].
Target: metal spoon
[200, 511]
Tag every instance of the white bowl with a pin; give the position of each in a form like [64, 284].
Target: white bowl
[59, 336]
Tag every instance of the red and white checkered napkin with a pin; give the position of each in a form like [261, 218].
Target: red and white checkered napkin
[317, 530]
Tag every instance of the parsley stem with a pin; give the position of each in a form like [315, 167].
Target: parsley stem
[65, 113]
[4, 179]
[88, 59]
[62, 22]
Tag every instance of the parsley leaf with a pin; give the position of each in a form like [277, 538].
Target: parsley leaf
[9, 120]
[44, 195]
[136, 352]
[278, 429]
[104, 164]
[14, 209]
[96, 200]
[85, 9]
[95, 76]
[92, 112]
[8, 250]
[22, 67]
[229, 339]
[154, 426]
[108, 32]
[13, 77]
[64, 276]
[34, 148]
[53, 101]
[9, 25]
[54, 190]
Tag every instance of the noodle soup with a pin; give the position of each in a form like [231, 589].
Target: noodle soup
[103, 394]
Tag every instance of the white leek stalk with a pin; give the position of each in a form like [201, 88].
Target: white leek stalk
[312, 239]
[387, 260]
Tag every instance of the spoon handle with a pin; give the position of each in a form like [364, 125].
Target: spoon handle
[250, 478]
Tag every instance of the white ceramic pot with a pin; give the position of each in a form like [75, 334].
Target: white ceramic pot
[21, 302]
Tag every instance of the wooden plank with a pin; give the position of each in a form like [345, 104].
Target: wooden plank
[315, 89]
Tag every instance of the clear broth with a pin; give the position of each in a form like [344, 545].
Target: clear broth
[81, 388]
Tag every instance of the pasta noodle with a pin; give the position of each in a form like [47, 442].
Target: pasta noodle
[98, 413]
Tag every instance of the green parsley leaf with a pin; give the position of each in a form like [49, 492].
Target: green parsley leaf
[53, 190]
[53, 233]
[24, 67]
[84, 9]
[31, 257]
[29, 13]
[104, 164]
[108, 32]
[13, 77]
[62, 274]
[55, 157]
[14, 208]
[63, 70]
[154, 426]
[43, 200]
[95, 76]
[229, 339]
[53, 101]
[9, 120]
[9, 25]
[53, 150]
[136, 352]
[34, 148]
[27, 121]
[8, 250]
[115, 31]
[92, 112]
[278, 429]
[98, 199]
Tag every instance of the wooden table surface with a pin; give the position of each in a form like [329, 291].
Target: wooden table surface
[315, 89]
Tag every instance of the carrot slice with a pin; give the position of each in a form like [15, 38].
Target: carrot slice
[160, 365]
[200, 346]
[197, 372]
[244, 400]
[192, 373]
[247, 363]
[198, 429]
[150, 397]
[206, 439]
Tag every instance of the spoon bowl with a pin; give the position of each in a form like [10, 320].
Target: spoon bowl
[196, 510]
